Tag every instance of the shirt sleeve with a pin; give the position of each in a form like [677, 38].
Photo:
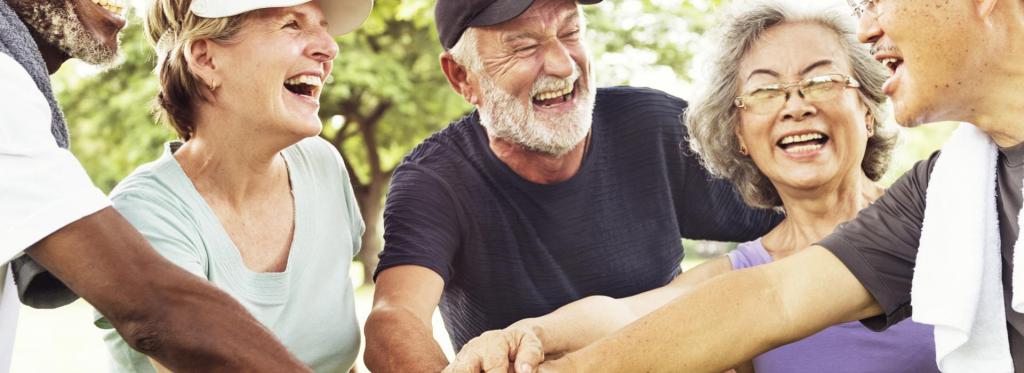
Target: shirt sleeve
[42, 186]
[880, 246]
[420, 222]
[165, 228]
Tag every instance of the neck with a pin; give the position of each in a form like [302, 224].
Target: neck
[225, 160]
[52, 55]
[536, 167]
[813, 214]
[999, 114]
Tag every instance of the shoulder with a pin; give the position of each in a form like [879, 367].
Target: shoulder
[749, 254]
[638, 108]
[151, 185]
[21, 103]
[450, 148]
[638, 98]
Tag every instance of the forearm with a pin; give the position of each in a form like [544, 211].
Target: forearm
[398, 341]
[736, 316]
[160, 310]
[694, 333]
[578, 324]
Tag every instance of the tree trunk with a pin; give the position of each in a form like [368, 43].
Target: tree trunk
[371, 206]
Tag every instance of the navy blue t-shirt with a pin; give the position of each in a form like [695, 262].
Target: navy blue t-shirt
[510, 249]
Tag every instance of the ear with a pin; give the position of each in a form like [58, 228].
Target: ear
[869, 123]
[985, 8]
[459, 78]
[739, 138]
[199, 57]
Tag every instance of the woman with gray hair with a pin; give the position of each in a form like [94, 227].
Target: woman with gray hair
[792, 114]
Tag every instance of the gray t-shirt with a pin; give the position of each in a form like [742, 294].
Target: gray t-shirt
[309, 306]
[880, 245]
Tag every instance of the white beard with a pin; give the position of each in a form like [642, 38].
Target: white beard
[58, 24]
[508, 118]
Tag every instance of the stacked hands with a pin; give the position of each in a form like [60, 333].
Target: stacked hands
[515, 349]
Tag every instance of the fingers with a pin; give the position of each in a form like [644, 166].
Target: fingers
[489, 353]
[529, 352]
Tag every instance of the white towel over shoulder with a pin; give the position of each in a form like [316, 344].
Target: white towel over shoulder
[957, 285]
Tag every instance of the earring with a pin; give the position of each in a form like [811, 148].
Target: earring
[871, 130]
[213, 86]
[743, 150]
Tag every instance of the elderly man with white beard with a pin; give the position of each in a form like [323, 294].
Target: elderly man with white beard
[551, 191]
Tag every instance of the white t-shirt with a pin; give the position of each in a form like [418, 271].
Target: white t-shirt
[42, 187]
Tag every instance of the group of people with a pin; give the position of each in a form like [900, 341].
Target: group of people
[545, 224]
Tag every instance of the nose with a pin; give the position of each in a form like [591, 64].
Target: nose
[557, 61]
[322, 46]
[868, 30]
[797, 108]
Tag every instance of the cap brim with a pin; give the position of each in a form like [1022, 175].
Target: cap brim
[501, 11]
[343, 16]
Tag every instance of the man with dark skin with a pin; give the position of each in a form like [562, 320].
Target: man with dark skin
[161, 310]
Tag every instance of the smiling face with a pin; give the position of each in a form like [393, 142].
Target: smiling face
[80, 29]
[271, 74]
[935, 52]
[803, 145]
[535, 83]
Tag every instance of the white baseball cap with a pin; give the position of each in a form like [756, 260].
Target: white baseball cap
[343, 16]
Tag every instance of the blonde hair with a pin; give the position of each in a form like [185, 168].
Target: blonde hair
[171, 28]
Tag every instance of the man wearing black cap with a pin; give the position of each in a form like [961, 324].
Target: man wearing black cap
[551, 191]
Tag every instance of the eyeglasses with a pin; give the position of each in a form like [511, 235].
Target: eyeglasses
[770, 98]
[862, 6]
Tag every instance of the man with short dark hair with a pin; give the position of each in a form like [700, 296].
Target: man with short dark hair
[551, 191]
[69, 235]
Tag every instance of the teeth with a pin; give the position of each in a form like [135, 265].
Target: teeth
[552, 94]
[801, 138]
[803, 148]
[305, 79]
[113, 6]
[890, 62]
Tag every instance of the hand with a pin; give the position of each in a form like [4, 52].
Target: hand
[497, 351]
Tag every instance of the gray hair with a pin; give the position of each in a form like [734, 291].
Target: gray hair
[712, 117]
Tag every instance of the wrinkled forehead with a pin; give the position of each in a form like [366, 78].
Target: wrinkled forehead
[792, 51]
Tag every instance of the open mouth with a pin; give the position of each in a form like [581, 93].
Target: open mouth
[305, 85]
[113, 6]
[803, 143]
[891, 63]
[555, 97]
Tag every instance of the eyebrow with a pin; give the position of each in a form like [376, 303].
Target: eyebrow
[303, 16]
[568, 17]
[806, 70]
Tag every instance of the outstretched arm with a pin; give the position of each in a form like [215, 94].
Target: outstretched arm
[161, 310]
[732, 318]
[526, 343]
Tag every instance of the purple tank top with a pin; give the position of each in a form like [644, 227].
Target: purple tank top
[849, 347]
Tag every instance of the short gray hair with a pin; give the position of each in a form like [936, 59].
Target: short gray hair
[712, 117]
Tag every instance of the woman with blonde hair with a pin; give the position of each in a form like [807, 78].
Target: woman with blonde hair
[250, 198]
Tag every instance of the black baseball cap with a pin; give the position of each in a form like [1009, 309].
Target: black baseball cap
[453, 17]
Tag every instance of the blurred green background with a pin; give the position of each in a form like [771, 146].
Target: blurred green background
[387, 95]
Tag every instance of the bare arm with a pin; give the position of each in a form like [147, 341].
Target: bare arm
[161, 310]
[580, 323]
[399, 334]
[732, 318]
[573, 326]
